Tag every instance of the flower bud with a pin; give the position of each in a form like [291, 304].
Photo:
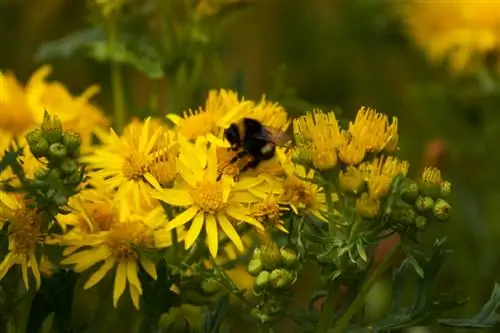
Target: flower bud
[74, 177]
[410, 192]
[256, 253]
[424, 204]
[367, 207]
[41, 173]
[351, 180]
[430, 190]
[254, 267]
[51, 128]
[263, 280]
[40, 148]
[403, 213]
[57, 151]
[441, 210]
[68, 166]
[270, 256]
[210, 285]
[281, 278]
[54, 175]
[60, 200]
[445, 189]
[289, 257]
[421, 222]
[71, 141]
[33, 137]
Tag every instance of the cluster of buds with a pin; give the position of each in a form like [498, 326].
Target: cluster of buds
[61, 174]
[424, 201]
[197, 289]
[275, 269]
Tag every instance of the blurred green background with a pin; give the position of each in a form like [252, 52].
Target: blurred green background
[337, 54]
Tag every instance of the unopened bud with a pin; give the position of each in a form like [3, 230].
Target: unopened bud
[68, 166]
[430, 190]
[289, 257]
[52, 128]
[281, 278]
[256, 253]
[40, 148]
[57, 151]
[424, 204]
[74, 177]
[441, 210]
[410, 192]
[54, 175]
[255, 267]
[403, 213]
[41, 173]
[445, 189]
[71, 141]
[33, 137]
[421, 222]
[270, 256]
[263, 280]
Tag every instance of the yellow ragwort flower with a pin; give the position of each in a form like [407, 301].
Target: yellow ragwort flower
[380, 173]
[373, 131]
[24, 237]
[432, 176]
[269, 211]
[367, 206]
[126, 161]
[323, 133]
[117, 239]
[352, 152]
[209, 203]
[351, 179]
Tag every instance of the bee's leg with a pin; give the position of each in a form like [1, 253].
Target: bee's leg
[250, 165]
[233, 160]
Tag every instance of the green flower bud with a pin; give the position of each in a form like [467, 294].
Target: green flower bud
[33, 137]
[42, 173]
[270, 256]
[289, 257]
[421, 222]
[40, 148]
[263, 280]
[410, 192]
[60, 200]
[254, 267]
[51, 128]
[256, 253]
[75, 177]
[445, 189]
[68, 166]
[57, 151]
[424, 204]
[54, 175]
[430, 190]
[71, 141]
[441, 210]
[281, 278]
[403, 213]
[210, 286]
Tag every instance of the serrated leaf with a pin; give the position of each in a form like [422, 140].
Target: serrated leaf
[486, 318]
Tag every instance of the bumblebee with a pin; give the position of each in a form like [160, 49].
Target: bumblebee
[250, 138]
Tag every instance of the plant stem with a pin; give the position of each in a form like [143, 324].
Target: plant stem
[116, 78]
[365, 289]
[327, 312]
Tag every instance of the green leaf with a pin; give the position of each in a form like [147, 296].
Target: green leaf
[486, 318]
[214, 319]
[361, 251]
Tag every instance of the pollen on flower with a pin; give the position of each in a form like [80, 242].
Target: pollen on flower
[135, 166]
[208, 196]
[432, 176]
[124, 237]
[269, 211]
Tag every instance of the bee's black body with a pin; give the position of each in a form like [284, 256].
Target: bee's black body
[252, 139]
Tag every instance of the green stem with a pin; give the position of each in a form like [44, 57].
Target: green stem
[365, 289]
[327, 312]
[116, 78]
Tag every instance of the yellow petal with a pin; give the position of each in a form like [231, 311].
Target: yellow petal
[244, 197]
[174, 197]
[85, 259]
[247, 182]
[186, 173]
[134, 294]
[212, 163]
[212, 235]
[36, 271]
[217, 142]
[152, 180]
[194, 230]
[173, 118]
[132, 277]
[7, 263]
[240, 214]
[182, 218]
[100, 273]
[24, 272]
[120, 281]
[230, 231]
[149, 267]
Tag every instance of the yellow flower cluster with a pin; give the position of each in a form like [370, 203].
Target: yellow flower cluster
[463, 32]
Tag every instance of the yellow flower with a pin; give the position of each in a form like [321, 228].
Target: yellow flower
[463, 33]
[270, 114]
[352, 152]
[380, 172]
[126, 161]
[432, 176]
[24, 237]
[221, 109]
[120, 242]
[372, 130]
[16, 118]
[323, 133]
[208, 203]
[269, 211]
[75, 113]
[351, 179]
[367, 206]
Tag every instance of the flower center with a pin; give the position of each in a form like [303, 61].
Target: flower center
[101, 215]
[135, 166]
[124, 237]
[268, 210]
[24, 231]
[197, 124]
[208, 196]
[298, 192]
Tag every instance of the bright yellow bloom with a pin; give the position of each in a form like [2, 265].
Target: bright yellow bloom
[116, 236]
[75, 113]
[269, 211]
[24, 237]
[372, 130]
[432, 176]
[463, 33]
[352, 152]
[367, 207]
[209, 203]
[380, 173]
[221, 109]
[270, 114]
[351, 179]
[321, 130]
[126, 161]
